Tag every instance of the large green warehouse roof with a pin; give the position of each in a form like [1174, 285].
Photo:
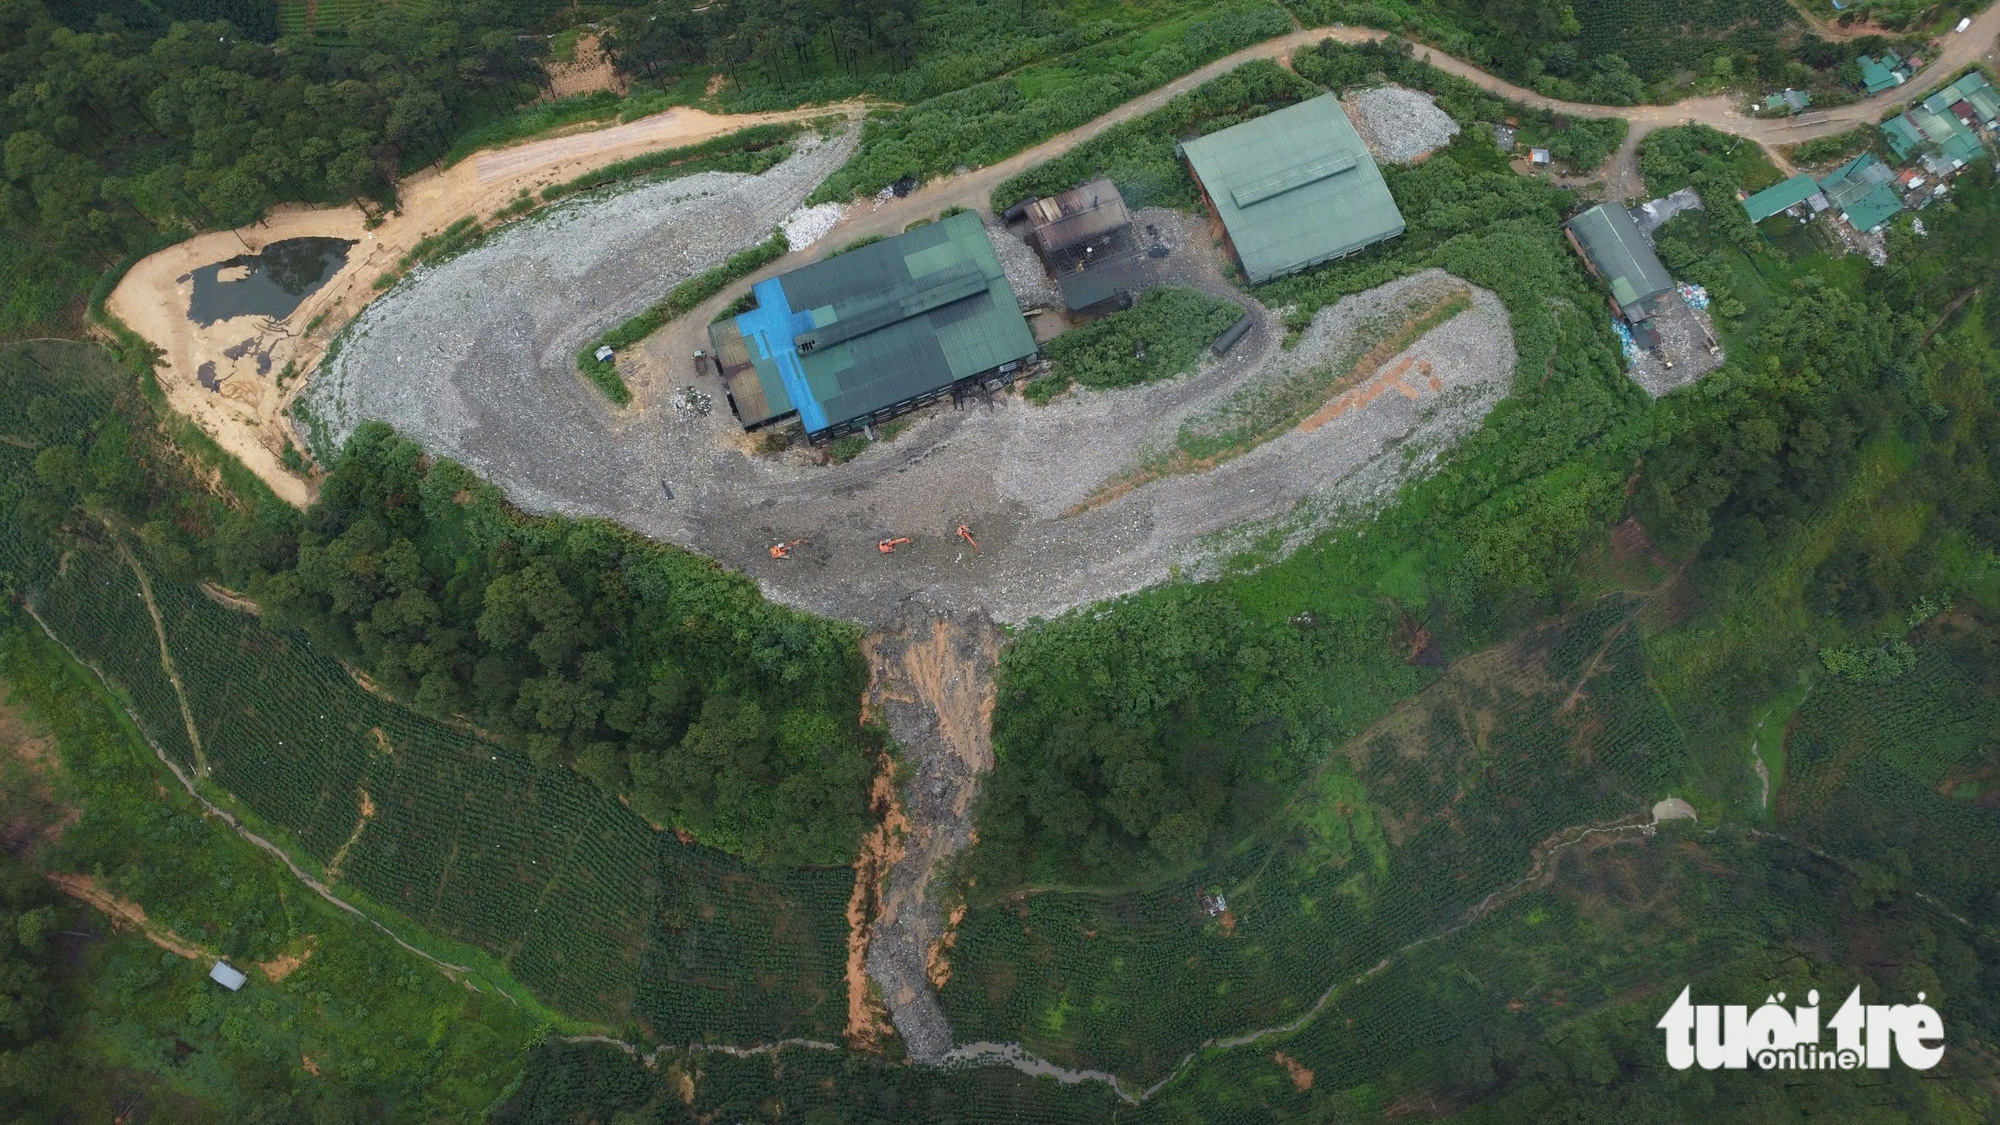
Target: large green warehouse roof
[1294, 188]
[867, 331]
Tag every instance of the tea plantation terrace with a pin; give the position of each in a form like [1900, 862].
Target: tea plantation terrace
[1293, 189]
[868, 334]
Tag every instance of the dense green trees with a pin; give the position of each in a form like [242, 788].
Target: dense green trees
[656, 673]
[29, 922]
[120, 133]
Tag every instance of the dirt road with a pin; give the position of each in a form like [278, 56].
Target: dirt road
[247, 355]
[245, 414]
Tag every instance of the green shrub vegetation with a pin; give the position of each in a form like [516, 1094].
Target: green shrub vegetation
[751, 151]
[679, 301]
[1139, 154]
[546, 877]
[1837, 148]
[114, 1023]
[537, 118]
[991, 120]
[1170, 326]
[1582, 143]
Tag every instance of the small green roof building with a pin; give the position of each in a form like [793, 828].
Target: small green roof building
[1293, 188]
[860, 337]
[1780, 197]
[1879, 76]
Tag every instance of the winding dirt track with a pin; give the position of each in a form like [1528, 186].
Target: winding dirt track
[246, 417]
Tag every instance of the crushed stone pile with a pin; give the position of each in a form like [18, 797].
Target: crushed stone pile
[808, 225]
[1400, 124]
[1031, 283]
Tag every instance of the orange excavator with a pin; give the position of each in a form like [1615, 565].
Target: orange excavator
[965, 533]
[887, 546]
[784, 550]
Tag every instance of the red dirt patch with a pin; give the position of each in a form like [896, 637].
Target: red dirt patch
[125, 914]
[1302, 1079]
[867, 1019]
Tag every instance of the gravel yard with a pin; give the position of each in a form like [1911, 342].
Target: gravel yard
[475, 361]
[1399, 125]
[476, 357]
[1683, 355]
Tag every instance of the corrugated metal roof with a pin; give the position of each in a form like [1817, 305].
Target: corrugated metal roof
[1877, 77]
[1612, 242]
[1872, 210]
[1077, 215]
[1777, 198]
[1904, 137]
[1294, 188]
[865, 330]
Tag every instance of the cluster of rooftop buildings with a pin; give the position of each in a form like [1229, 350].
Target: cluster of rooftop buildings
[1944, 130]
[1938, 136]
[1887, 72]
[857, 338]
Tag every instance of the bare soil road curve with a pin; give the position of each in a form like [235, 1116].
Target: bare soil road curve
[247, 354]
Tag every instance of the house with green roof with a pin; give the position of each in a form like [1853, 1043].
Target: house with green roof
[1879, 75]
[1781, 197]
[868, 334]
[1941, 128]
[1863, 191]
[1979, 93]
[1904, 136]
[1293, 188]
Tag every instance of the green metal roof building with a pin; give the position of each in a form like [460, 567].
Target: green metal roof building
[1614, 249]
[1861, 191]
[863, 336]
[1780, 197]
[1880, 76]
[1985, 100]
[1293, 188]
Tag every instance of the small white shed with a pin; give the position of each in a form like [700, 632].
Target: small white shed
[226, 976]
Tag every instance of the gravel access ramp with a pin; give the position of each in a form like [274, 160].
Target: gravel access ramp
[475, 359]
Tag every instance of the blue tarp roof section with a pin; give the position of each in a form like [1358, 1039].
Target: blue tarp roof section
[1774, 199]
[771, 326]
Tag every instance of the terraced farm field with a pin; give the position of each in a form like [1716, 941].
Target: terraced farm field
[1403, 833]
[580, 900]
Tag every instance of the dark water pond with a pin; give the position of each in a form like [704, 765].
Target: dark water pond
[281, 277]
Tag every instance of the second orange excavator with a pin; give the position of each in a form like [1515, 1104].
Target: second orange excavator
[965, 533]
[784, 550]
[888, 545]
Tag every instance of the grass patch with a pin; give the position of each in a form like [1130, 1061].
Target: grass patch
[752, 151]
[680, 300]
[1839, 147]
[534, 120]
